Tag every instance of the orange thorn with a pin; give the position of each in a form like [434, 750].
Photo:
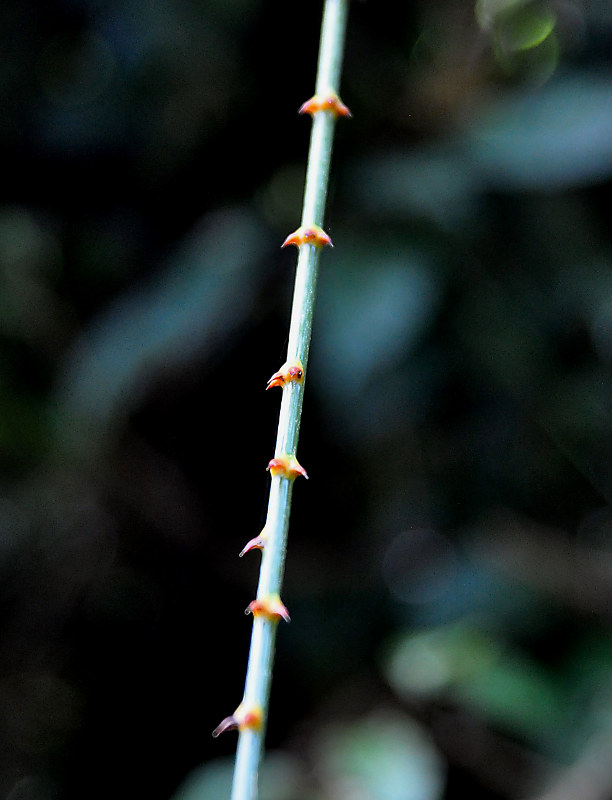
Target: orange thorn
[330, 102]
[254, 544]
[242, 719]
[286, 374]
[286, 466]
[308, 234]
[270, 607]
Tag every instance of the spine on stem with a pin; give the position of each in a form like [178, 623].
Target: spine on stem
[268, 609]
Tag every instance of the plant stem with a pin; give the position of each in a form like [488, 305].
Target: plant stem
[261, 655]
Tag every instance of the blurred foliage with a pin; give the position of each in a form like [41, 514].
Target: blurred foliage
[450, 560]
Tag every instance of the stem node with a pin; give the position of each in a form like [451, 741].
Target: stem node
[329, 103]
[271, 608]
[286, 466]
[308, 234]
[289, 372]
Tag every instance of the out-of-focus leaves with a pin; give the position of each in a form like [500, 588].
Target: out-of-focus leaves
[480, 673]
[375, 304]
[516, 694]
[555, 137]
[30, 261]
[527, 27]
[559, 136]
[134, 75]
[433, 182]
[512, 344]
[280, 779]
[438, 585]
[523, 36]
[520, 25]
[487, 11]
[381, 757]
[22, 430]
[201, 295]
[430, 662]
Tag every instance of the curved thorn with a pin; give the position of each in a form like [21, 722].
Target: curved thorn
[228, 724]
[242, 719]
[256, 543]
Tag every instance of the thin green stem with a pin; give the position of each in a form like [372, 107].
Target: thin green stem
[261, 655]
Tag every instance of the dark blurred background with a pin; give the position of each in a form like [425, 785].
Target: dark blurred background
[449, 571]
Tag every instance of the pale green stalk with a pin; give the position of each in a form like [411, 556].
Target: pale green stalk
[259, 670]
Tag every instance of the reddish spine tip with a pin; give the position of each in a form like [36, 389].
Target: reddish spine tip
[286, 466]
[276, 380]
[293, 238]
[228, 724]
[257, 543]
[311, 106]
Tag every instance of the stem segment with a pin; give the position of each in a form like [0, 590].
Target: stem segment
[259, 670]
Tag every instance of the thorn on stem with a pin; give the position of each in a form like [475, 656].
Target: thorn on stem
[308, 234]
[286, 466]
[270, 607]
[257, 543]
[227, 724]
[242, 719]
[328, 102]
[289, 372]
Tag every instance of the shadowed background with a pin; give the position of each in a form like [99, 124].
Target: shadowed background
[449, 570]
